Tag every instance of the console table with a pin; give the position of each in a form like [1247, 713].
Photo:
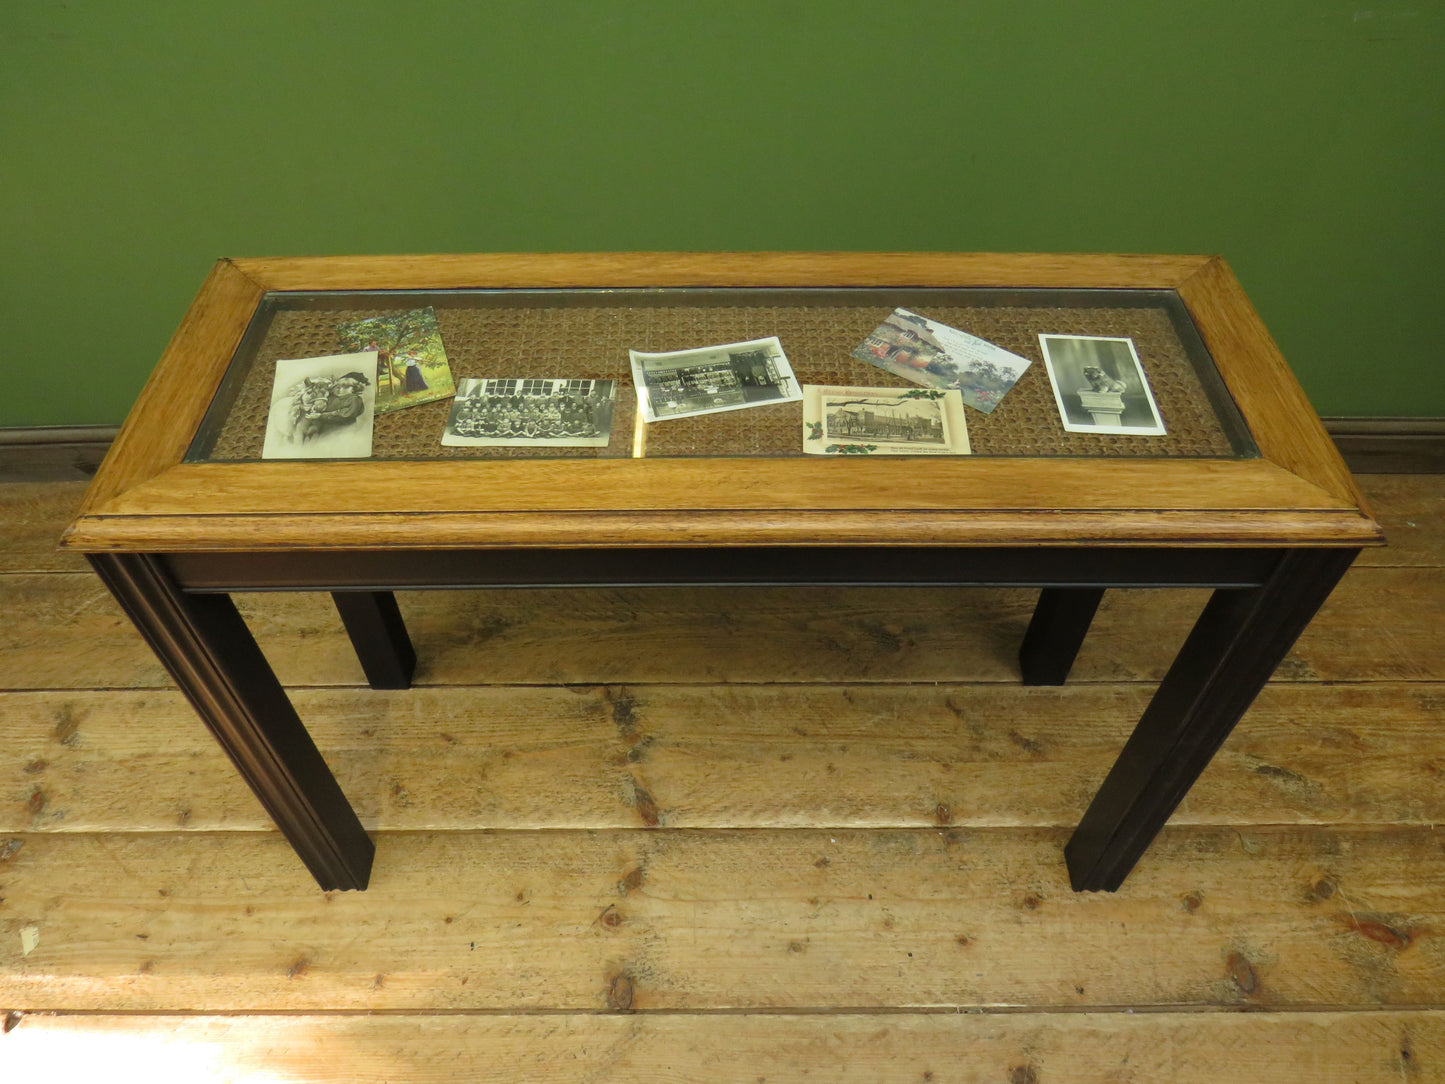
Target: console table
[1244, 493]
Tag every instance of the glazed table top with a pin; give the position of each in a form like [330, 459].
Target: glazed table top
[1244, 460]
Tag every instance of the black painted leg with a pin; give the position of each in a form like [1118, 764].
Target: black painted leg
[378, 633]
[1056, 633]
[212, 656]
[1239, 639]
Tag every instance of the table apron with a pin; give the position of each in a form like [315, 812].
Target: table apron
[738, 566]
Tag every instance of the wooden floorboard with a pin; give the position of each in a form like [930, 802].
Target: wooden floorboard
[462, 758]
[680, 919]
[1022, 1048]
[1411, 509]
[62, 631]
[698, 836]
[33, 516]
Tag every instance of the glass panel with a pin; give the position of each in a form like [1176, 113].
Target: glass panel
[585, 335]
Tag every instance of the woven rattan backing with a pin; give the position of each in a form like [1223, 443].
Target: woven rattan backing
[592, 340]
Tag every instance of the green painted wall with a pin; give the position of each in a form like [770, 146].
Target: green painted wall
[141, 139]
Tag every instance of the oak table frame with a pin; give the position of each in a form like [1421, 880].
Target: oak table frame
[1272, 534]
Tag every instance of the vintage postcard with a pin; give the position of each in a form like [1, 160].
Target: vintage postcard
[938, 356]
[531, 412]
[322, 408]
[713, 378]
[883, 421]
[411, 364]
[1099, 385]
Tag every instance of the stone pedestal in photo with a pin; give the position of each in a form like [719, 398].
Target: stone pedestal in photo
[1105, 406]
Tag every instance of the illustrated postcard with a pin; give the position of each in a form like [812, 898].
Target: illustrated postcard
[531, 412]
[321, 408]
[1099, 385]
[883, 421]
[411, 363]
[938, 356]
[713, 378]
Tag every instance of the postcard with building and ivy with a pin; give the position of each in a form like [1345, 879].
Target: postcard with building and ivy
[883, 421]
[411, 363]
[938, 356]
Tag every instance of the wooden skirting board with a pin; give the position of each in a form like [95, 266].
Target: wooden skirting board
[53, 453]
[1390, 445]
[59, 453]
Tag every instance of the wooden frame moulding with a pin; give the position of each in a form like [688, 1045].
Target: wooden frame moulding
[144, 497]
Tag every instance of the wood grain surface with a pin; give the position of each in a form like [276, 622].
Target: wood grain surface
[1285, 426]
[174, 399]
[722, 835]
[30, 513]
[801, 501]
[801, 919]
[64, 632]
[1413, 521]
[519, 270]
[145, 499]
[849, 1048]
[1413, 517]
[461, 758]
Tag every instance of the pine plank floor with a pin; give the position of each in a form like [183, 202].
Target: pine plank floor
[724, 836]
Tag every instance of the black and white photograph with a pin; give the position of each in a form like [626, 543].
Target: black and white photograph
[883, 421]
[1099, 385]
[709, 379]
[535, 412]
[322, 408]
